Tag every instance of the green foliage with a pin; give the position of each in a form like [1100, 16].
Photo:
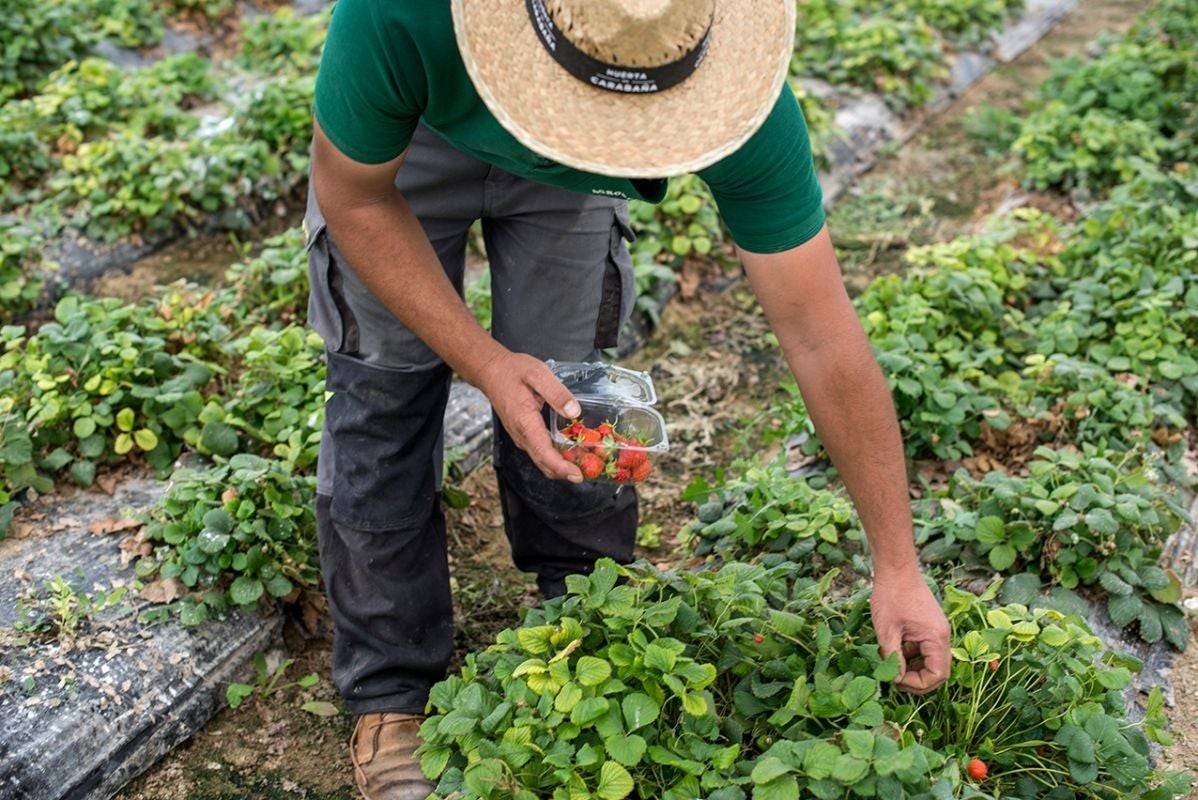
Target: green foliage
[275, 401]
[1076, 519]
[233, 534]
[59, 609]
[20, 279]
[272, 287]
[283, 42]
[717, 684]
[885, 48]
[99, 383]
[1134, 103]
[268, 682]
[478, 298]
[764, 514]
[37, 37]
[86, 99]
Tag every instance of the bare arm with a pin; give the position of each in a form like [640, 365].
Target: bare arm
[803, 296]
[381, 238]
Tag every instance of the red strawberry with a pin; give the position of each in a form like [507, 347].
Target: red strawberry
[588, 436]
[572, 454]
[622, 475]
[573, 429]
[605, 429]
[591, 465]
[642, 470]
[758, 638]
[631, 458]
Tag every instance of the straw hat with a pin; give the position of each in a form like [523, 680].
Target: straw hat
[628, 88]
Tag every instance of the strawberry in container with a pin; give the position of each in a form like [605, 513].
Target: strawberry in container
[618, 435]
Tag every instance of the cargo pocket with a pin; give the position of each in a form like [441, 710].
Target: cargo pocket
[328, 313]
[385, 425]
[619, 284]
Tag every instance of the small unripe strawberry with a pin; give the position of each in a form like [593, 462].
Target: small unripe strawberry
[994, 665]
[228, 495]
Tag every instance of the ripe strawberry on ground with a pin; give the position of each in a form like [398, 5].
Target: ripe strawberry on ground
[976, 769]
[642, 470]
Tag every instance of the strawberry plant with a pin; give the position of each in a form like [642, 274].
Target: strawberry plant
[751, 680]
[762, 513]
[1076, 520]
[96, 384]
[275, 398]
[272, 287]
[232, 534]
[283, 42]
[20, 282]
[1133, 103]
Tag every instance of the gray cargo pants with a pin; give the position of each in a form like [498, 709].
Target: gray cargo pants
[562, 287]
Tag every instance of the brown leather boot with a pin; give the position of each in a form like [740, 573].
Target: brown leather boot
[381, 749]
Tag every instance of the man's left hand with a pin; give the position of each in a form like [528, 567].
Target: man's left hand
[909, 621]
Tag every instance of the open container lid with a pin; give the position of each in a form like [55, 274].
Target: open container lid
[605, 381]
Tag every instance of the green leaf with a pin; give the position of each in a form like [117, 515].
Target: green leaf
[83, 473]
[989, 530]
[146, 439]
[1114, 584]
[614, 782]
[1124, 609]
[434, 761]
[567, 697]
[235, 693]
[588, 710]
[849, 769]
[639, 710]
[245, 590]
[784, 788]
[591, 671]
[219, 439]
[125, 419]
[627, 749]
[1022, 588]
[820, 760]
[768, 769]
[482, 777]
[694, 703]
[84, 427]
[888, 669]
[322, 708]
[1002, 556]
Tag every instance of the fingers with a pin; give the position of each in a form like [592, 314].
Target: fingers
[542, 381]
[533, 438]
[929, 666]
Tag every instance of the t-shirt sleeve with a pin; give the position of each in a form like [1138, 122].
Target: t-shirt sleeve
[767, 191]
[371, 88]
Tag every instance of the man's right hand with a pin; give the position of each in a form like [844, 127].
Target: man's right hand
[518, 385]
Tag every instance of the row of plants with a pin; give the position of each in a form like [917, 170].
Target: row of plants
[758, 681]
[1136, 102]
[897, 48]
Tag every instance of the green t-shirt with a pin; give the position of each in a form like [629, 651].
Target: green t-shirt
[389, 63]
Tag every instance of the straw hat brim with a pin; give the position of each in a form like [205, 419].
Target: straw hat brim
[682, 129]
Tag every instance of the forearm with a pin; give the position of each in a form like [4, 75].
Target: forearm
[389, 252]
[849, 402]
[802, 293]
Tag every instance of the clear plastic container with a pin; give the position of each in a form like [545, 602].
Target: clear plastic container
[593, 379]
[618, 436]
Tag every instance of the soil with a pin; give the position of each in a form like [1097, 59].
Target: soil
[718, 370]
